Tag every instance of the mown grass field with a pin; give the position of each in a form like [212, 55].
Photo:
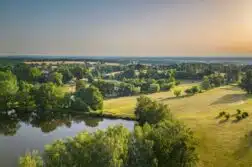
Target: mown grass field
[221, 143]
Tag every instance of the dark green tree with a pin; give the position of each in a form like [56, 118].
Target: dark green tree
[34, 74]
[79, 105]
[205, 85]
[67, 75]
[56, 78]
[8, 89]
[246, 82]
[46, 96]
[152, 112]
[91, 96]
[80, 84]
[24, 96]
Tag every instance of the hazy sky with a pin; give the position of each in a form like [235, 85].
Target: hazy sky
[126, 27]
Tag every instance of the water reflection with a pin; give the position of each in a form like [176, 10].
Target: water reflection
[46, 121]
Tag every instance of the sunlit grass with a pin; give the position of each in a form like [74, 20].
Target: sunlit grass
[126, 105]
[221, 143]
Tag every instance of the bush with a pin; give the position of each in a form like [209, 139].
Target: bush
[238, 117]
[177, 92]
[136, 90]
[177, 83]
[238, 111]
[227, 116]
[245, 114]
[31, 160]
[222, 113]
[154, 88]
[195, 89]
[80, 84]
[192, 90]
[188, 91]
[167, 86]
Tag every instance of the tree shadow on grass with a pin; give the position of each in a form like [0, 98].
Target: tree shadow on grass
[236, 121]
[174, 97]
[230, 98]
[245, 146]
[223, 121]
[233, 87]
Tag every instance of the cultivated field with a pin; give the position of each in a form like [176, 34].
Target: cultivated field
[221, 143]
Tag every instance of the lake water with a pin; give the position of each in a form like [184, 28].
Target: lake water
[22, 133]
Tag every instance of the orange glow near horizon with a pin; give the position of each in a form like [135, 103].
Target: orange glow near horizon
[174, 28]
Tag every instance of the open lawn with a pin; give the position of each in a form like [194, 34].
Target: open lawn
[125, 105]
[222, 143]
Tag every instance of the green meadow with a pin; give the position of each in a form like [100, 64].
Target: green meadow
[222, 143]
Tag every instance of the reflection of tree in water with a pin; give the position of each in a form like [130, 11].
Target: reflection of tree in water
[9, 124]
[49, 121]
[89, 121]
[46, 121]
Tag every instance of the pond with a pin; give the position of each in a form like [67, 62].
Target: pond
[20, 133]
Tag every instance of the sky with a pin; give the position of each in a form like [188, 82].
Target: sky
[126, 27]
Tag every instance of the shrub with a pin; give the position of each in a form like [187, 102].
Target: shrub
[31, 160]
[177, 92]
[195, 89]
[80, 84]
[177, 83]
[238, 111]
[227, 116]
[167, 86]
[136, 90]
[245, 114]
[154, 88]
[188, 91]
[192, 90]
[222, 113]
[238, 117]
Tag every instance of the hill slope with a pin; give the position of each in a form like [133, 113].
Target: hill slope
[221, 143]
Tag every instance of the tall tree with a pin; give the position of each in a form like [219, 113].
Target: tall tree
[246, 82]
[8, 89]
[46, 96]
[91, 96]
[21, 71]
[67, 75]
[34, 74]
[24, 96]
[56, 78]
[80, 84]
[148, 111]
[205, 85]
